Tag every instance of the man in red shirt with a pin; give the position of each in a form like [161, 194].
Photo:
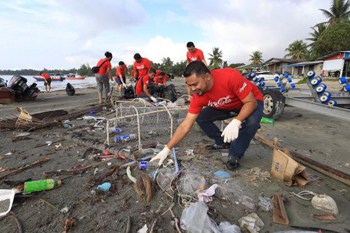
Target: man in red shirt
[145, 86]
[160, 82]
[224, 93]
[141, 66]
[193, 54]
[103, 76]
[120, 76]
[47, 81]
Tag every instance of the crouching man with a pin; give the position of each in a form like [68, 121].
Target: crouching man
[218, 95]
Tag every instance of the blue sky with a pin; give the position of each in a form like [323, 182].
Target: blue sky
[67, 33]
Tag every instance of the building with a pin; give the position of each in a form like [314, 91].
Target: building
[336, 64]
[301, 68]
[278, 65]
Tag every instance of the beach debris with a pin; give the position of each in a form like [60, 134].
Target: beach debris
[128, 173]
[104, 187]
[325, 203]
[256, 173]
[3, 169]
[8, 153]
[67, 124]
[92, 118]
[279, 213]
[144, 188]
[65, 209]
[226, 227]
[251, 222]
[40, 185]
[206, 195]
[144, 229]
[265, 203]
[48, 143]
[22, 134]
[324, 217]
[68, 224]
[22, 168]
[222, 174]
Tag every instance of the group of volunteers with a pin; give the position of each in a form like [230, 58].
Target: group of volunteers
[217, 94]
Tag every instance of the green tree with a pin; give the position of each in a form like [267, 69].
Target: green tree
[167, 64]
[318, 29]
[334, 38]
[256, 58]
[215, 59]
[339, 12]
[297, 50]
[178, 68]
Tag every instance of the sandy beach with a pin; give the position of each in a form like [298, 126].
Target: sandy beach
[78, 205]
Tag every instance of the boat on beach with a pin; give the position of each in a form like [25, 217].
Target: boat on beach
[53, 78]
[74, 77]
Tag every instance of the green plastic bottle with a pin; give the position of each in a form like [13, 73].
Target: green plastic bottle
[40, 185]
[267, 120]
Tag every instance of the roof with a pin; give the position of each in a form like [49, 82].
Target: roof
[277, 60]
[304, 63]
[332, 54]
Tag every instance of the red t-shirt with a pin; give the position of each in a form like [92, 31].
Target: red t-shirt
[227, 93]
[197, 55]
[145, 80]
[121, 70]
[45, 76]
[142, 67]
[159, 79]
[104, 67]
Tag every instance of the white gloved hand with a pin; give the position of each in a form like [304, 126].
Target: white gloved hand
[231, 131]
[153, 99]
[161, 155]
[124, 85]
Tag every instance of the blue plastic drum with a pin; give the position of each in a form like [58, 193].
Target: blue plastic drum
[342, 80]
[289, 79]
[276, 78]
[255, 79]
[332, 103]
[321, 88]
[292, 85]
[282, 89]
[315, 81]
[262, 84]
[279, 84]
[347, 87]
[310, 74]
[325, 97]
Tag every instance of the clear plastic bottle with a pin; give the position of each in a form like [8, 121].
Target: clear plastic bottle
[41, 185]
[202, 183]
[115, 130]
[125, 138]
[145, 165]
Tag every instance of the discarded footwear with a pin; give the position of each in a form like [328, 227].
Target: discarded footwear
[218, 147]
[232, 164]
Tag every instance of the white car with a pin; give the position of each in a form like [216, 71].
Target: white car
[266, 75]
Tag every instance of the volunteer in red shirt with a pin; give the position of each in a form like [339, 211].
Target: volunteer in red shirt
[103, 76]
[224, 93]
[120, 76]
[141, 66]
[145, 86]
[193, 54]
[47, 81]
[160, 83]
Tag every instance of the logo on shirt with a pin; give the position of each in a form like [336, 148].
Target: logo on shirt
[242, 88]
[140, 67]
[193, 59]
[222, 101]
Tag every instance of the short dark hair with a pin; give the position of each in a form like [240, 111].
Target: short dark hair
[152, 70]
[108, 54]
[196, 67]
[189, 44]
[137, 56]
[121, 63]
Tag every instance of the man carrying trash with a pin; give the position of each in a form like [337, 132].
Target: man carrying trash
[218, 95]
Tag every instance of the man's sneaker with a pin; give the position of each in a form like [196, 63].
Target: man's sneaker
[232, 164]
[218, 147]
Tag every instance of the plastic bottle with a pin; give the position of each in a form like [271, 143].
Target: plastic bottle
[40, 185]
[145, 165]
[125, 138]
[115, 130]
[202, 183]
[267, 120]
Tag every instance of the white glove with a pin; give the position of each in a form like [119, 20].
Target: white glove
[153, 99]
[161, 155]
[231, 131]
[124, 85]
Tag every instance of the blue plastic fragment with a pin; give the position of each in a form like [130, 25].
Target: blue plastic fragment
[104, 187]
[222, 174]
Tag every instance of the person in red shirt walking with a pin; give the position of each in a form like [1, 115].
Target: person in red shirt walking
[141, 66]
[47, 81]
[145, 86]
[103, 76]
[193, 54]
[218, 95]
[120, 76]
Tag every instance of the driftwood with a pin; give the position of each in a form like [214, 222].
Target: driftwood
[322, 168]
[18, 170]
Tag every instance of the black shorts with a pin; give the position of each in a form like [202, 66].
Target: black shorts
[119, 81]
[47, 82]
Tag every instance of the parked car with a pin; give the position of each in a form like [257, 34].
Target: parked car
[266, 75]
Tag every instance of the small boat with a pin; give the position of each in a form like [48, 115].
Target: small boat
[53, 78]
[74, 77]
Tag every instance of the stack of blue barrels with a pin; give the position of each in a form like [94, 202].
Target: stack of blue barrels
[320, 89]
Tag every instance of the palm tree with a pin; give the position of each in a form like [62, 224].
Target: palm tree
[215, 59]
[256, 58]
[317, 31]
[339, 11]
[297, 50]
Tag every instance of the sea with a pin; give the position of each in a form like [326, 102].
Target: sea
[57, 85]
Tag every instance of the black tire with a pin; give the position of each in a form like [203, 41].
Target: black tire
[273, 103]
